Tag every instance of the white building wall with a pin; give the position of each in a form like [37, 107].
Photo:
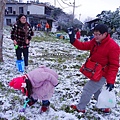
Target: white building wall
[35, 9]
[13, 20]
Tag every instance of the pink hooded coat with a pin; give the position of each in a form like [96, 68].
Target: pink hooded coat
[43, 80]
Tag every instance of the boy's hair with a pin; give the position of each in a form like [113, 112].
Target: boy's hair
[102, 28]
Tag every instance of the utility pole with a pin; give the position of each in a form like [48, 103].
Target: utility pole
[54, 2]
[79, 16]
[73, 10]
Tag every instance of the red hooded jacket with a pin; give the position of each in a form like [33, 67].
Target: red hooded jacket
[105, 53]
[78, 35]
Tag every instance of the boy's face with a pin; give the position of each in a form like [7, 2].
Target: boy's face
[98, 36]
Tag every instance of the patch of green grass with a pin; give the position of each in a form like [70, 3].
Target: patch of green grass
[64, 66]
[1, 85]
[82, 57]
[12, 57]
[52, 106]
[118, 94]
[50, 37]
[118, 103]
[66, 108]
[75, 66]
[43, 38]
[20, 117]
[30, 61]
[55, 118]
[117, 82]
[11, 91]
[60, 60]
[82, 83]
[16, 98]
[37, 39]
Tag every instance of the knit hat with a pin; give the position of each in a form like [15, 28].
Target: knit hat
[102, 28]
[17, 83]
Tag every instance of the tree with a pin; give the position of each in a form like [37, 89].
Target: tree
[112, 19]
[56, 12]
[66, 21]
[88, 19]
[2, 10]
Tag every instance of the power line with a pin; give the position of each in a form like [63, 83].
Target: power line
[67, 3]
[73, 10]
[70, 4]
[60, 5]
[54, 2]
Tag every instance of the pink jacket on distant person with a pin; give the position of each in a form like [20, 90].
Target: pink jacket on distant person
[43, 80]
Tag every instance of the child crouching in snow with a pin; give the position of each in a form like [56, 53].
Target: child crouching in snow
[37, 84]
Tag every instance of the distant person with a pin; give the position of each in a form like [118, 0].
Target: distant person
[47, 26]
[35, 26]
[21, 35]
[39, 26]
[42, 26]
[37, 84]
[78, 34]
[104, 52]
[32, 24]
[59, 28]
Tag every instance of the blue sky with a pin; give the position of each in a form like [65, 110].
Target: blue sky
[87, 8]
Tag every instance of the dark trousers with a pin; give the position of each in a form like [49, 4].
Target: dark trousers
[19, 52]
[45, 103]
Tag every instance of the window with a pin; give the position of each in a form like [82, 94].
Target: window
[20, 10]
[9, 9]
[8, 21]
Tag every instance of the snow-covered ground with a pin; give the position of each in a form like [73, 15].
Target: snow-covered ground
[61, 56]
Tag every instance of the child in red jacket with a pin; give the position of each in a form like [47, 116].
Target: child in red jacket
[78, 34]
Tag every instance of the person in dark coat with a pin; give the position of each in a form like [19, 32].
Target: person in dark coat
[21, 34]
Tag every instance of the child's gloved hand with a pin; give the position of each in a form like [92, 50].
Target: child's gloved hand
[31, 101]
[71, 34]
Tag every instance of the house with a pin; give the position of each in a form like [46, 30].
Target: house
[35, 12]
[90, 24]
